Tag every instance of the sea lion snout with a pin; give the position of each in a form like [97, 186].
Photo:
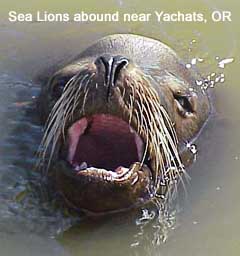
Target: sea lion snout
[112, 67]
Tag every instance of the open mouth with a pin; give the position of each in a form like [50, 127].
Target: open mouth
[101, 167]
[103, 142]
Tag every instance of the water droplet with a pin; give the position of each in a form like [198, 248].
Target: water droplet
[193, 149]
[199, 82]
[194, 61]
[223, 62]
[135, 244]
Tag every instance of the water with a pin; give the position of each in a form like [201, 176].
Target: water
[205, 223]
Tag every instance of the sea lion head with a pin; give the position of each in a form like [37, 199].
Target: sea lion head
[116, 117]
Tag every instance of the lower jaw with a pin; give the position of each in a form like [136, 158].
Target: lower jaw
[95, 196]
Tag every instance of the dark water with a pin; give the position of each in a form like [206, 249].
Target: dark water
[205, 223]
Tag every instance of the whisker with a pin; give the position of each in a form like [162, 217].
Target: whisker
[60, 115]
[155, 126]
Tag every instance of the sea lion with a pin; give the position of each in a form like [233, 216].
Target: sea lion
[117, 119]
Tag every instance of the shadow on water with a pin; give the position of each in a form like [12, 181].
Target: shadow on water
[22, 222]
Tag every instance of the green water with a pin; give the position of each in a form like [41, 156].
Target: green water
[208, 220]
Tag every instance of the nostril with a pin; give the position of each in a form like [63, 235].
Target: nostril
[106, 60]
[119, 65]
[113, 66]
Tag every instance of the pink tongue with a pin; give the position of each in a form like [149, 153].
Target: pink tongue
[103, 141]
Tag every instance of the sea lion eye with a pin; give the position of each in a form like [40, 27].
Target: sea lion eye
[58, 87]
[184, 104]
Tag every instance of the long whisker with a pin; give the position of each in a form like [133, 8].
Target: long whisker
[156, 128]
[60, 115]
